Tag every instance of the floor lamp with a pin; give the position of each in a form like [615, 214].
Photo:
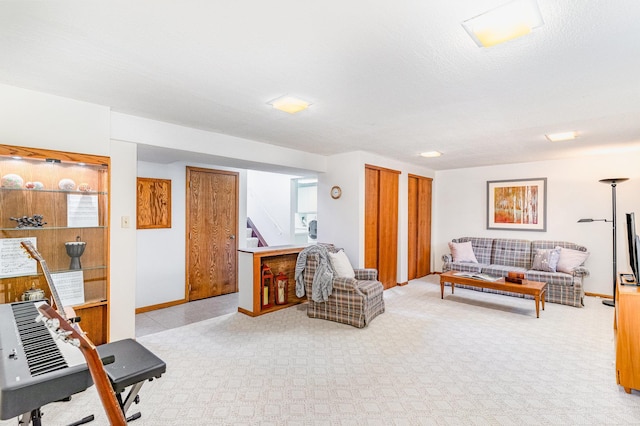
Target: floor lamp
[613, 182]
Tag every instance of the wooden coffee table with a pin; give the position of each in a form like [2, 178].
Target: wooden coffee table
[532, 288]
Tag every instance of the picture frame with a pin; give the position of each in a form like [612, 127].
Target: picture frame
[517, 204]
[153, 203]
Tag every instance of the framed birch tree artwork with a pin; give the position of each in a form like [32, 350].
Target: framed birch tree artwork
[518, 204]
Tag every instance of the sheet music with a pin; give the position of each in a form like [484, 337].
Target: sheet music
[14, 260]
[70, 287]
[82, 210]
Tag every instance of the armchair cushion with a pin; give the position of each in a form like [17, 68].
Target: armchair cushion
[341, 265]
[345, 283]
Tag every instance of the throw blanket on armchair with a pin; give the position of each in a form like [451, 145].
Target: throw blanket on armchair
[323, 278]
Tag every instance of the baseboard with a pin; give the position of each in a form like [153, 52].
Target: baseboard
[403, 283]
[602, 296]
[159, 306]
[246, 312]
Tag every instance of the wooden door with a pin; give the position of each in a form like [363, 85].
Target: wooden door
[371, 202]
[212, 226]
[419, 238]
[381, 223]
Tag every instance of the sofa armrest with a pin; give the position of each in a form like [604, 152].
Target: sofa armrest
[368, 274]
[447, 258]
[581, 271]
[345, 284]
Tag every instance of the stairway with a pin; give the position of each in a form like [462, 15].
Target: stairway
[251, 240]
[254, 239]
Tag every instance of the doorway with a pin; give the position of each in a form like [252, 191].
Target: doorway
[212, 228]
[419, 235]
[381, 223]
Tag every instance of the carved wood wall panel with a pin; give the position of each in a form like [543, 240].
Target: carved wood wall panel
[153, 208]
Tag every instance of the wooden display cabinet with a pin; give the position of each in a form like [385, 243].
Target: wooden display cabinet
[281, 259]
[627, 333]
[77, 211]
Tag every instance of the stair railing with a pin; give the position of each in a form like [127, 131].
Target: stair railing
[256, 234]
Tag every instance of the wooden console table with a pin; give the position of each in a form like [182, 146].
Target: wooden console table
[627, 332]
[250, 261]
[532, 288]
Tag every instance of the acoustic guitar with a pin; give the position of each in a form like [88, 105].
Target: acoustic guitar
[35, 254]
[57, 322]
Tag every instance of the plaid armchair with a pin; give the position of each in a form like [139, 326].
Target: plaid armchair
[354, 301]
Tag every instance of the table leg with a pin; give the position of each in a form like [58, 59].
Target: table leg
[441, 289]
[542, 296]
[537, 306]
[452, 287]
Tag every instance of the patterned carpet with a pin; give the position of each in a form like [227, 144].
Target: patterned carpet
[471, 359]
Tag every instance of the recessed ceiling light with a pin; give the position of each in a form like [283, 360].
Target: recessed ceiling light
[17, 157]
[564, 136]
[504, 23]
[290, 104]
[430, 154]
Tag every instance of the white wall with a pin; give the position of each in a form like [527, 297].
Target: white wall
[37, 120]
[161, 252]
[269, 205]
[123, 241]
[166, 135]
[341, 221]
[573, 192]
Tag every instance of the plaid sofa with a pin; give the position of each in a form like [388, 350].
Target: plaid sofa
[498, 256]
[354, 301]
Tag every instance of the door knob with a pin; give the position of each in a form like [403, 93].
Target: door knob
[233, 237]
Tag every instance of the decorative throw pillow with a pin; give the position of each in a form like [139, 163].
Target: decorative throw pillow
[462, 252]
[341, 265]
[546, 260]
[570, 259]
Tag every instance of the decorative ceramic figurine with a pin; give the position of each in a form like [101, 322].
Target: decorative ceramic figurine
[12, 181]
[67, 184]
[75, 250]
[33, 293]
[84, 187]
[34, 221]
[34, 185]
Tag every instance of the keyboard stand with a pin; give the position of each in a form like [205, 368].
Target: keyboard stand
[34, 417]
[134, 364]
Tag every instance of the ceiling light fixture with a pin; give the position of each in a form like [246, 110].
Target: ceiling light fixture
[289, 104]
[504, 23]
[564, 136]
[430, 154]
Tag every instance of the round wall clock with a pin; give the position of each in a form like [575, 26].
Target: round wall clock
[336, 192]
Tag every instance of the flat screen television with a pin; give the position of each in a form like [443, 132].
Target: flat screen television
[633, 242]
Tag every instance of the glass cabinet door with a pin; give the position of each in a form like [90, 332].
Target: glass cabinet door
[60, 203]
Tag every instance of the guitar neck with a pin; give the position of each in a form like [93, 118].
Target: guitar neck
[34, 254]
[52, 287]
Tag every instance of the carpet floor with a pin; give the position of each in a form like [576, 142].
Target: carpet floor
[471, 359]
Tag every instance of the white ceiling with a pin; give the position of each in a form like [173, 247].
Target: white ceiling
[390, 77]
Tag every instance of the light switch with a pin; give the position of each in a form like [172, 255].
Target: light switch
[124, 222]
